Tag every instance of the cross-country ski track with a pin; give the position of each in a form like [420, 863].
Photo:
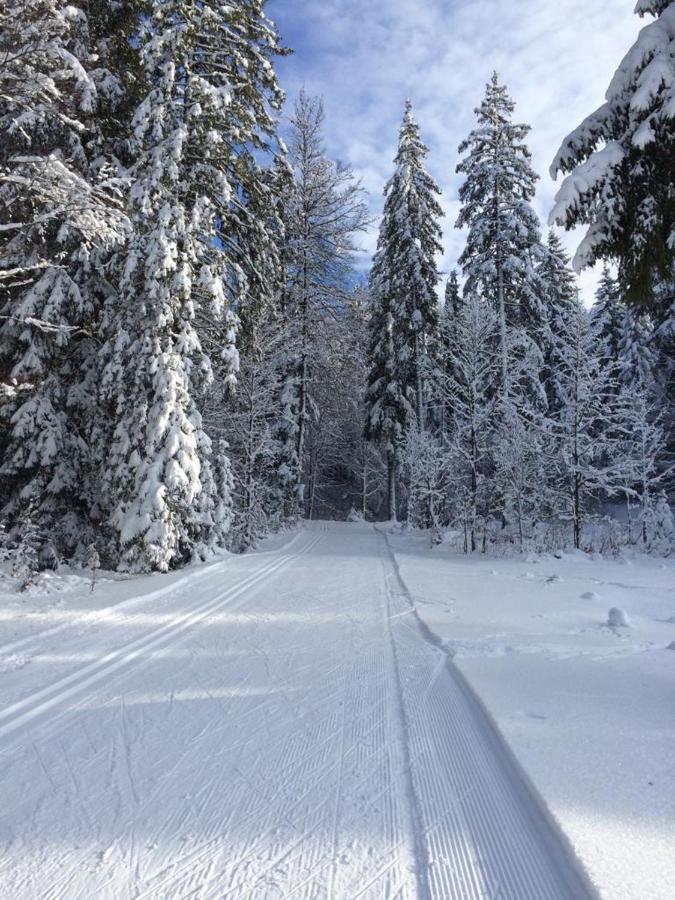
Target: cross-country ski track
[276, 725]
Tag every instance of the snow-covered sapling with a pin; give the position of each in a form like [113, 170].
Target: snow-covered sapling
[26, 562]
[93, 564]
[659, 525]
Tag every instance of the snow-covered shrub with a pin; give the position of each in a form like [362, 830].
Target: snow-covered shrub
[427, 467]
[26, 565]
[93, 564]
[613, 536]
[658, 525]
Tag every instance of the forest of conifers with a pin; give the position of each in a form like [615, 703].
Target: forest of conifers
[190, 356]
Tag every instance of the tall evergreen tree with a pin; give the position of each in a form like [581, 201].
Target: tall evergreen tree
[607, 316]
[503, 242]
[663, 344]
[211, 95]
[637, 357]
[404, 270]
[389, 410]
[441, 365]
[623, 337]
[620, 164]
[562, 295]
[403, 284]
[59, 214]
[453, 299]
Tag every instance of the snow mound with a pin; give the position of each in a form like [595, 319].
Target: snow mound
[589, 595]
[671, 646]
[617, 618]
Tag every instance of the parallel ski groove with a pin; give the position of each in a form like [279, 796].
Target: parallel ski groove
[314, 746]
[21, 712]
[484, 836]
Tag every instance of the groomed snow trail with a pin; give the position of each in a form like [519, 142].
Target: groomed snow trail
[278, 727]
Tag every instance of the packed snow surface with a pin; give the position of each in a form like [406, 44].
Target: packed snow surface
[282, 725]
[584, 698]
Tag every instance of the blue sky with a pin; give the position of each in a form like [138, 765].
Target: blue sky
[365, 57]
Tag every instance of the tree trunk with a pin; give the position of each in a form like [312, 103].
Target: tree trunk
[248, 532]
[577, 513]
[302, 412]
[474, 489]
[391, 487]
[364, 490]
[302, 416]
[502, 330]
[421, 412]
[312, 493]
[501, 300]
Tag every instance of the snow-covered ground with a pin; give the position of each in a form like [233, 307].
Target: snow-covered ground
[588, 709]
[279, 725]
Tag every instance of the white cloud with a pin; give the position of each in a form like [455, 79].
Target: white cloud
[556, 56]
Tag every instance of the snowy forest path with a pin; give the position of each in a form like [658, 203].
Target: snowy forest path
[292, 734]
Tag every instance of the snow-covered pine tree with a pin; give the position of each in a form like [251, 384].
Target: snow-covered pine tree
[663, 344]
[620, 164]
[404, 268]
[637, 357]
[607, 319]
[389, 406]
[211, 97]
[26, 563]
[503, 242]
[453, 297]
[562, 294]
[404, 312]
[441, 362]
[59, 214]
[323, 211]
[623, 337]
